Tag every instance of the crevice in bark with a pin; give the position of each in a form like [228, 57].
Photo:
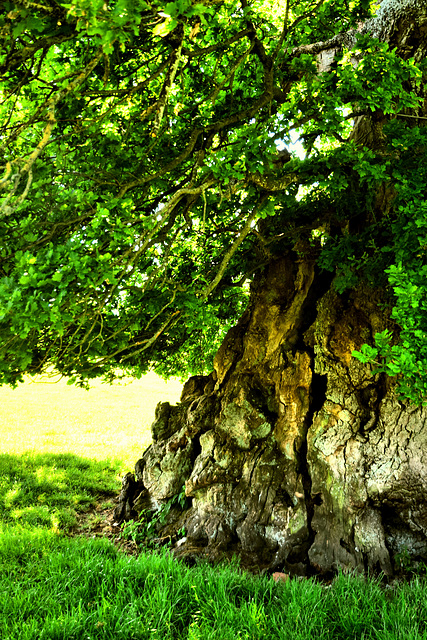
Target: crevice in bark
[262, 398]
[257, 455]
[370, 398]
[321, 284]
[317, 399]
[318, 392]
[130, 491]
[346, 546]
[382, 389]
[233, 346]
[364, 399]
[303, 470]
[365, 562]
[197, 449]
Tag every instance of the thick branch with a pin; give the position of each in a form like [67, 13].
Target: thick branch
[17, 58]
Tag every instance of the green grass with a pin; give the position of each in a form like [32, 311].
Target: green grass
[78, 589]
[62, 449]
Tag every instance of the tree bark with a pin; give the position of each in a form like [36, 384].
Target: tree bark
[292, 454]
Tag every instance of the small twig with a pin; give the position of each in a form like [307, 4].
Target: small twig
[5, 179]
[404, 115]
[166, 89]
[204, 213]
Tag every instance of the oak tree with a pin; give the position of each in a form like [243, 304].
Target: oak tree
[246, 179]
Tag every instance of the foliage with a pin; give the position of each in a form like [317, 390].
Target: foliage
[142, 187]
[407, 273]
[146, 528]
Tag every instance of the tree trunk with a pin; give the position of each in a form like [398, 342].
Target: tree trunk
[291, 453]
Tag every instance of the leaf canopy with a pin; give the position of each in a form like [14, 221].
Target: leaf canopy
[156, 156]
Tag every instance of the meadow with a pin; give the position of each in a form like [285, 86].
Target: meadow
[62, 453]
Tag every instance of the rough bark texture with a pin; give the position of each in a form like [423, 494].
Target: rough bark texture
[291, 453]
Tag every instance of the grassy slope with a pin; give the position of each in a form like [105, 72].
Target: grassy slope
[58, 445]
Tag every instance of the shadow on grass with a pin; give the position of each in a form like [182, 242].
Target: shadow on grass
[47, 489]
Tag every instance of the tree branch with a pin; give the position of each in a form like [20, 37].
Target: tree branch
[232, 250]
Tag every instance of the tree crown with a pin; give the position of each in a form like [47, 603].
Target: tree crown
[151, 169]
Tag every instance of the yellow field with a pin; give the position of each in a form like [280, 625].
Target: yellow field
[106, 422]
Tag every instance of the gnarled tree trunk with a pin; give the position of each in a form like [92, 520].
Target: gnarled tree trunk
[290, 451]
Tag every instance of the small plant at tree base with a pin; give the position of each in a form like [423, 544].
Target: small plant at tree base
[404, 562]
[145, 529]
[133, 530]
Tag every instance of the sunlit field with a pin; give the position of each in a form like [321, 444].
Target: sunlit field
[106, 422]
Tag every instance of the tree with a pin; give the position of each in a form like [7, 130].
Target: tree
[250, 174]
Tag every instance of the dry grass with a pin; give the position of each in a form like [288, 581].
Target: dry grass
[106, 422]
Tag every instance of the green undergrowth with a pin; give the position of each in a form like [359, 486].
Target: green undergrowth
[55, 588]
